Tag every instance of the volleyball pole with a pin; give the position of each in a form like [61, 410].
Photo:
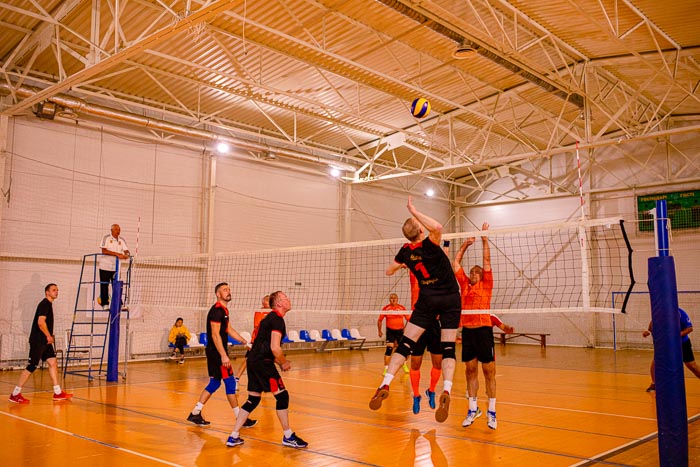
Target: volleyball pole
[671, 409]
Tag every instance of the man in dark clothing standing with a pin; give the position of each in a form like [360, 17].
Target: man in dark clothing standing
[41, 347]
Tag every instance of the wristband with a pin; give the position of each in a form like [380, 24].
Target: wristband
[446, 243]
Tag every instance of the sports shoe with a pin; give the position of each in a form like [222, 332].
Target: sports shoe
[651, 388]
[294, 442]
[491, 419]
[405, 367]
[231, 441]
[63, 396]
[376, 402]
[471, 416]
[416, 404]
[182, 361]
[18, 399]
[197, 419]
[444, 407]
[431, 398]
[173, 356]
[249, 422]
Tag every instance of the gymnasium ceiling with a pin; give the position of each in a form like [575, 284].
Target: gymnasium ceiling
[330, 82]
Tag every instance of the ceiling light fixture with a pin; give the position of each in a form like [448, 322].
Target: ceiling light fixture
[464, 50]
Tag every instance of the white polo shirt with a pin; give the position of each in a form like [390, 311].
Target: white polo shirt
[117, 245]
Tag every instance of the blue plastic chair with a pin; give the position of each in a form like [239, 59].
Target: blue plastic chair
[326, 335]
[346, 334]
[304, 335]
[285, 340]
[203, 338]
[233, 341]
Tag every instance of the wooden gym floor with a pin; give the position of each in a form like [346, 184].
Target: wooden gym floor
[562, 406]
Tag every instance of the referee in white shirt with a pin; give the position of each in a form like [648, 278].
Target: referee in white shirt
[113, 247]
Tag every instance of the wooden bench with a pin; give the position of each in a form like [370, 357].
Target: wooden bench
[535, 336]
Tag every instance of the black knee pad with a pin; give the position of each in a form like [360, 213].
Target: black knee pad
[282, 399]
[406, 346]
[251, 403]
[448, 350]
[31, 368]
[388, 351]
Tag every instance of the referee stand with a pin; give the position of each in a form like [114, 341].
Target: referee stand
[92, 324]
[671, 408]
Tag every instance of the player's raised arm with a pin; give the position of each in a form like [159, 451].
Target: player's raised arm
[486, 248]
[433, 226]
[457, 264]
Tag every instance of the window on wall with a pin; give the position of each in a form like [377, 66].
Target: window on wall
[683, 209]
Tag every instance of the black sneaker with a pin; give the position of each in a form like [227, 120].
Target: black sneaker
[250, 422]
[294, 442]
[198, 419]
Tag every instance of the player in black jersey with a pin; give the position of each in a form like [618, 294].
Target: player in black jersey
[218, 363]
[263, 375]
[439, 296]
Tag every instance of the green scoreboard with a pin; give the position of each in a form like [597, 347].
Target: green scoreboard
[683, 209]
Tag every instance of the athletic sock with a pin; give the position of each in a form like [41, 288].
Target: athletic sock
[235, 434]
[492, 404]
[288, 433]
[447, 386]
[434, 378]
[388, 378]
[472, 403]
[415, 381]
[197, 408]
[18, 390]
[57, 389]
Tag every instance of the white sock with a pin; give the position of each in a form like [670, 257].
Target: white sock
[472, 403]
[492, 404]
[197, 408]
[57, 389]
[18, 390]
[388, 378]
[288, 433]
[235, 434]
[236, 410]
[447, 385]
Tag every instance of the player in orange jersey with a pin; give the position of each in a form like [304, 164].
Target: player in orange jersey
[394, 328]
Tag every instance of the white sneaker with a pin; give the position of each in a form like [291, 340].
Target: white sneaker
[491, 419]
[471, 416]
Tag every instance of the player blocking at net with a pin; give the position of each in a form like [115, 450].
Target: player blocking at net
[439, 296]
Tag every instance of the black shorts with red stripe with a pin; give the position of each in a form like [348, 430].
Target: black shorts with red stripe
[264, 377]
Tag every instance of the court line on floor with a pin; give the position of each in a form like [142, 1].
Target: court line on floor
[113, 446]
[626, 447]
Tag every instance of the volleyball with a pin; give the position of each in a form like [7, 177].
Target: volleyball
[420, 108]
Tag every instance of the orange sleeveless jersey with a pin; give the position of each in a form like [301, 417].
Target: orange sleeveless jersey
[393, 321]
[476, 297]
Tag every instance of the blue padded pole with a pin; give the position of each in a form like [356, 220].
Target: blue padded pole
[114, 318]
[671, 411]
[661, 226]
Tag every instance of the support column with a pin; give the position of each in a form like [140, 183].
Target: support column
[4, 155]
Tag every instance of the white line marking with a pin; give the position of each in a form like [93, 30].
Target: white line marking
[129, 451]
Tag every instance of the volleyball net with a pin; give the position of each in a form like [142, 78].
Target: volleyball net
[570, 267]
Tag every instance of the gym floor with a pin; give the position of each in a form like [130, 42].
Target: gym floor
[559, 406]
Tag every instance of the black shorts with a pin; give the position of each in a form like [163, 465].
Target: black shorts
[43, 351]
[478, 343]
[428, 307]
[393, 335]
[688, 352]
[214, 363]
[264, 377]
[430, 339]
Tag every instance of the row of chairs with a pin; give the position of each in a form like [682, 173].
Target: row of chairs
[303, 335]
[325, 335]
